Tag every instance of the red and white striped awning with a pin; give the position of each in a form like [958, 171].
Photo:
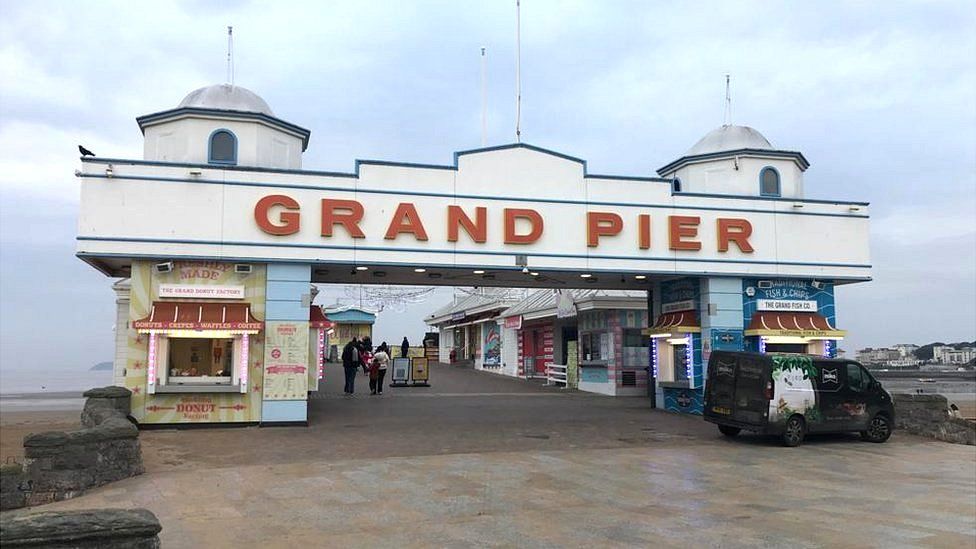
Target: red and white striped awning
[184, 315]
[317, 319]
[791, 324]
[674, 323]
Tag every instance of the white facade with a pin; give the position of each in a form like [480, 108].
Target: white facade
[739, 176]
[122, 290]
[186, 140]
[135, 216]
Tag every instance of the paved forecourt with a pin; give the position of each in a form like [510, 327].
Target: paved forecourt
[509, 463]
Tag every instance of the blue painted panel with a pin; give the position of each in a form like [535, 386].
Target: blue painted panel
[725, 319]
[286, 291]
[684, 401]
[594, 375]
[285, 310]
[727, 302]
[725, 285]
[289, 272]
[278, 411]
[727, 340]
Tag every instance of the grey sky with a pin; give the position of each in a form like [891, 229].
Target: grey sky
[880, 97]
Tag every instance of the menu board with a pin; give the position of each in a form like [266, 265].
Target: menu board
[420, 373]
[401, 370]
[286, 360]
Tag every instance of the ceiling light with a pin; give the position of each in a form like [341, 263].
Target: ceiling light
[585, 275]
[640, 277]
[478, 272]
[533, 273]
[362, 268]
[420, 270]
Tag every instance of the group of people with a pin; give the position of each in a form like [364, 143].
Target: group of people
[359, 353]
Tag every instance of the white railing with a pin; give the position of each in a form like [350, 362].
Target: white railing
[556, 374]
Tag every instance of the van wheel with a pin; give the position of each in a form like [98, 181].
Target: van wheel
[795, 430]
[728, 430]
[878, 430]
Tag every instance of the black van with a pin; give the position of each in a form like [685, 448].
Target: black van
[791, 395]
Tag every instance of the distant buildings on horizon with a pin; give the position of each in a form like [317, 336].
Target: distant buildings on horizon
[906, 355]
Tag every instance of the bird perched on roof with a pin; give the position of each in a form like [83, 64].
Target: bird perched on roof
[84, 151]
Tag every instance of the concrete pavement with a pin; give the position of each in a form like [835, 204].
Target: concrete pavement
[500, 462]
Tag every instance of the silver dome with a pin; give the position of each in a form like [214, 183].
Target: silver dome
[729, 138]
[225, 97]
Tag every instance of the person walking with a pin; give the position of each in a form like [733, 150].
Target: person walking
[365, 354]
[350, 363]
[378, 369]
[404, 347]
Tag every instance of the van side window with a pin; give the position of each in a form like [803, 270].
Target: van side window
[855, 378]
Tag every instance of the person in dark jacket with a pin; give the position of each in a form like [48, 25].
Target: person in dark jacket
[404, 347]
[350, 363]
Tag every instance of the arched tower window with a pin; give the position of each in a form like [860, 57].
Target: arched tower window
[769, 183]
[222, 148]
[676, 185]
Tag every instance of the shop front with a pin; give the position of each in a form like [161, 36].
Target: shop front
[613, 356]
[790, 316]
[535, 344]
[676, 347]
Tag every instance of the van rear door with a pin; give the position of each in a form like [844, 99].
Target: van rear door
[721, 385]
[751, 403]
[736, 386]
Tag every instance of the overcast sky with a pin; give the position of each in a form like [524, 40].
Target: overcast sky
[880, 97]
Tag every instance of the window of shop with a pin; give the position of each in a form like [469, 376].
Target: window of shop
[672, 356]
[679, 354]
[769, 184]
[590, 343]
[200, 360]
[223, 148]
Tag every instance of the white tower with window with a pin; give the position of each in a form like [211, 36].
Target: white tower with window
[223, 125]
[737, 161]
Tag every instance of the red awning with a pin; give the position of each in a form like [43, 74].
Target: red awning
[317, 319]
[681, 321]
[185, 315]
[769, 323]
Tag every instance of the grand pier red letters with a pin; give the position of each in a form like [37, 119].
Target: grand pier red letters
[521, 225]
[290, 219]
[347, 213]
[406, 220]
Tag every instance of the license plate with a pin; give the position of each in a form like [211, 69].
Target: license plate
[721, 410]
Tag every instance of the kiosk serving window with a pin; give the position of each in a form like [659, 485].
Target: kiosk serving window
[672, 346]
[198, 347]
[208, 360]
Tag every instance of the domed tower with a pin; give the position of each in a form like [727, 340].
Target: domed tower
[738, 160]
[223, 125]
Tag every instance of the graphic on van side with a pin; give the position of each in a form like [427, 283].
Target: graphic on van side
[794, 391]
